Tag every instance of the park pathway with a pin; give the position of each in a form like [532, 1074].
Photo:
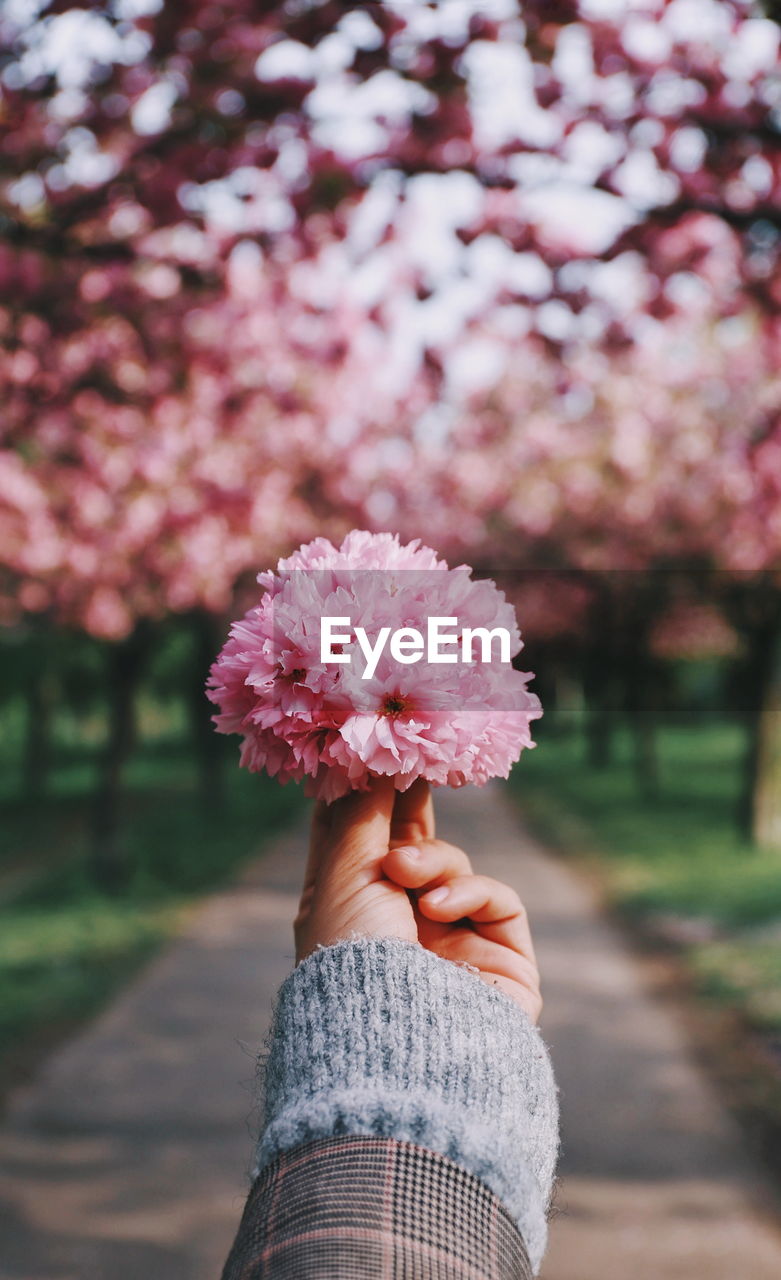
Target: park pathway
[126, 1158]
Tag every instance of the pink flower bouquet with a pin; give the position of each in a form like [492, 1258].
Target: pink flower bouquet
[374, 659]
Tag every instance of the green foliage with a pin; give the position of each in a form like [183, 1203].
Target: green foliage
[746, 972]
[64, 947]
[59, 961]
[677, 856]
[678, 853]
[71, 661]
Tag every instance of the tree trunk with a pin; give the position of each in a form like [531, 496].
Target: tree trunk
[640, 708]
[760, 802]
[39, 699]
[642, 722]
[599, 685]
[206, 634]
[110, 865]
[568, 702]
[600, 715]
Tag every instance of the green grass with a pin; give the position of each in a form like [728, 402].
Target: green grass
[680, 852]
[679, 855]
[65, 946]
[746, 974]
[60, 962]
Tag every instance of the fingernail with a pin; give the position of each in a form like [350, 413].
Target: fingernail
[437, 895]
[408, 850]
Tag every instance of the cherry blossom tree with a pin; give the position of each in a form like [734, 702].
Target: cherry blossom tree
[290, 121]
[212, 462]
[222, 226]
[632, 475]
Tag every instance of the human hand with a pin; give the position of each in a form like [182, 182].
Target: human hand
[376, 869]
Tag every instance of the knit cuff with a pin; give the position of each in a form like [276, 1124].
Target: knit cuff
[380, 1036]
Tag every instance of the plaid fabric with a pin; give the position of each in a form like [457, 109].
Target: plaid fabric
[366, 1208]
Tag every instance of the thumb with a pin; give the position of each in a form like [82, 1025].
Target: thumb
[413, 815]
[358, 835]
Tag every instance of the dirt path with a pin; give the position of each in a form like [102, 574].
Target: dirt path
[127, 1156]
[655, 1181]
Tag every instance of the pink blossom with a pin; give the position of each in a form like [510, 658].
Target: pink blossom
[334, 725]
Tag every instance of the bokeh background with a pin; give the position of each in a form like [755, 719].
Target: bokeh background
[503, 276]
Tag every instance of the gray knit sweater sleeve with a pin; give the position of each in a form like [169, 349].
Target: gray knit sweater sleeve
[379, 1036]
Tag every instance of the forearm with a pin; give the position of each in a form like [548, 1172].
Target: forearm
[380, 1037]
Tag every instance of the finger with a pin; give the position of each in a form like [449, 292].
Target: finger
[413, 815]
[319, 828]
[425, 864]
[321, 823]
[358, 833]
[493, 907]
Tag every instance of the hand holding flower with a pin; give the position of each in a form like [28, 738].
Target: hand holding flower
[376, 869]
